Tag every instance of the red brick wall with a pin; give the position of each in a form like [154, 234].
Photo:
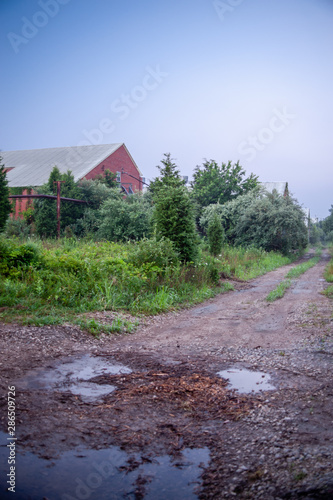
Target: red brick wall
[116, 162]
[22, 204]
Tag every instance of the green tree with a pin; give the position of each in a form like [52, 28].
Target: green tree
[327, 223]
[5, 207]
[109, 179]
[213, 183]
[274, 222]
[316, 233]
[173, 212]
[46, 210]
[169, 176]
[96, 193]
[265, 220]
[215, 234]
[230, 212]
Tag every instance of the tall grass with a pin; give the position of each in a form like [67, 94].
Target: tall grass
[57, 281]
[248, 263]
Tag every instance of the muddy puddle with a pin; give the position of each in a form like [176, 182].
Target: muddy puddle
[104, 475]
[74, 375]
[247, 381]
[205, 310]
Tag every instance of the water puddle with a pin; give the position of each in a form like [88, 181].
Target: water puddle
[246, 381]
[74, 376]
[104, 475]
[202, 311]
[89, 391]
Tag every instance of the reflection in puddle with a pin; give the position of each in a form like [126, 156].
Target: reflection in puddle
[68, 376]
[105, 475]
[90, 391]
[246, 381]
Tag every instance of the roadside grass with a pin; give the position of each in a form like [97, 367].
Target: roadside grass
[328, 275]
[279, 291]
[56, 282]
[94, 327]
[329, 292]
[248, 263]
[294, 273]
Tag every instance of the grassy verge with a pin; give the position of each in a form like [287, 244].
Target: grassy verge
[56, 282]
[248, 263]
[329, 277]
[279, 291]
[294, 273]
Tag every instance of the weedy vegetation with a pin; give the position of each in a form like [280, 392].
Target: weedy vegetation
[329, 276]
[294, 273]
[51, 282]
[144, 254]
[279, 291]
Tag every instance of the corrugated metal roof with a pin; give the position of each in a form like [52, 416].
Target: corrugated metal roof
[33, 167]
[279, 186]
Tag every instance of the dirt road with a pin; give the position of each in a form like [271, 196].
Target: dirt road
[156, 400]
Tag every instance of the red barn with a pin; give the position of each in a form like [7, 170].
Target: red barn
[31, 168]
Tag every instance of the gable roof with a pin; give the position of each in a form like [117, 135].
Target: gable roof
[281, 187]
[32, 167]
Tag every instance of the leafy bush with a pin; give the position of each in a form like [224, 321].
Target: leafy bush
[125, 219]
[14, 256]
[154, 252]
[329, 237]
[17, 227]
[317, 234]
[230, 212]
[96, 192]
[87, 226]
[273, 223]
[270, 222]
[327, 223]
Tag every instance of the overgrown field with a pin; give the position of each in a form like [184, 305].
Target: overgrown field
[53, 282]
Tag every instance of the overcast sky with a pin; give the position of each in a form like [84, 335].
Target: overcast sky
[247, 80]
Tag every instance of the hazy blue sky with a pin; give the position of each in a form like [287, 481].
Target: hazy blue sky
[247, 80]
